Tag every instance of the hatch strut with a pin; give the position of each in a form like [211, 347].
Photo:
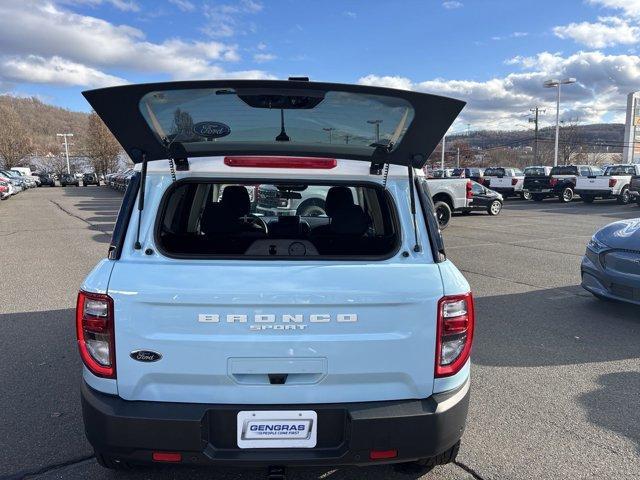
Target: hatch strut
[412, 195]
[143, 177]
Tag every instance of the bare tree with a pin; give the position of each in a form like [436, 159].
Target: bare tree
[102, 148]
[15, 144]
[570, 141]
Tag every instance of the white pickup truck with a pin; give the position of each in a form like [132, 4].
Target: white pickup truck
[507, 181]
[613, 184]
[449, 195]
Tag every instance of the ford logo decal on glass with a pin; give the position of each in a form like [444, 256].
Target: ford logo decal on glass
[145, 356]
[211, 129]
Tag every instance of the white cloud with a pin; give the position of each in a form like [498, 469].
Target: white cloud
[124, 5]
[46, 36]
[629, 7]
[606, 32]
[511, 35]
[264, 57]
[452, 4]
[183, 5]
[350, 14]
[225, 20]
[57, 71]
[503, 102]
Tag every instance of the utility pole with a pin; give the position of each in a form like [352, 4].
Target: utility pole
[329, 129]
[377, 124]
[458, 158]
[66, 147]
[536, 111]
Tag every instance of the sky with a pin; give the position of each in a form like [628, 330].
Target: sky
[493, 54]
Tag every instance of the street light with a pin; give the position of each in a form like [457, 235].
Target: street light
[66, 147]
[329, 129]
[377, 124]
[551, 84]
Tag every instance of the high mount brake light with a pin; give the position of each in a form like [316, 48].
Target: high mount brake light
[95, 333]
[454, 334]
[282, 162]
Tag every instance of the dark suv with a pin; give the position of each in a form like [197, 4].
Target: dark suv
[90, 179]
[69, 179]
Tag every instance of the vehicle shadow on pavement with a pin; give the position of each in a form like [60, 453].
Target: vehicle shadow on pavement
[558, 326]
[102, 205]
[612, 405]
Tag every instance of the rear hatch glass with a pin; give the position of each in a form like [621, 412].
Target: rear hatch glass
[564, 170]
[273, 220]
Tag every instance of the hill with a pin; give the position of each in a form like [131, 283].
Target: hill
[42, 121]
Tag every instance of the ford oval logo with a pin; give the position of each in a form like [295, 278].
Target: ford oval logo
[211, 129]
[145, 356]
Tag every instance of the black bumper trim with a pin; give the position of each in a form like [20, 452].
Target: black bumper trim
[204, 434]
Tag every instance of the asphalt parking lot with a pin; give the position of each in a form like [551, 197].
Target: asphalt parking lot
[556, 375]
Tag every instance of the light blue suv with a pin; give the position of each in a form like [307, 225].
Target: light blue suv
[215, 336]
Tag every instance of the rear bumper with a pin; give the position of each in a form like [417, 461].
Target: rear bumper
[594, 193]
[506, 190]
[206, 434]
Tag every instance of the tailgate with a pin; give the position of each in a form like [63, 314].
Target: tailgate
[224, 336]
[600, 182]
[500, 182]
[537, 183]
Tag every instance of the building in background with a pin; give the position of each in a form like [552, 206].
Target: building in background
[631, 153]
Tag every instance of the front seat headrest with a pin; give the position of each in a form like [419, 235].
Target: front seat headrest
[235, 199]
[338, 198]
[349, 221]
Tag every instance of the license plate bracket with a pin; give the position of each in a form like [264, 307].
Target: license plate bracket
[277, 429]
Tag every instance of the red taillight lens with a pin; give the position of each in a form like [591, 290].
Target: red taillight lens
[469, 190]
[514, 181]
[612, 182]
[383, 454]
[94, 330]
[281, 162]
[553, 182]
[454, 334]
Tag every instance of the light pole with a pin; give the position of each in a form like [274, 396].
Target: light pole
[444, 141]
[66, 147]
[551, 84]
[329, 129]
[377, 124]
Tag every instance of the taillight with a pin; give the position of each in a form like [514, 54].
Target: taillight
[281, 162]
[454, 334]
[469, 189]
[514, 181]
[553, 182]
[94, 330]
[612, 182]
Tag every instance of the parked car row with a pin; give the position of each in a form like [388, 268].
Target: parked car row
[13, 182]
[119, 180]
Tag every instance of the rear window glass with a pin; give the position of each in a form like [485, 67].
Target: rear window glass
[535, 172]
[494, 172]
[249, 116]
[564, 170]
[621, 170]
[268, 220]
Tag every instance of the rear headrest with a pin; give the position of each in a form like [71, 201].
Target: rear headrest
[235, 200]
[349, 220]
[338, 198]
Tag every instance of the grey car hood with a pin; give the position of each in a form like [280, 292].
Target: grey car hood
[624, 234]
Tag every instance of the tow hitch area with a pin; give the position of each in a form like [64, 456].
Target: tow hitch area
[276, 472]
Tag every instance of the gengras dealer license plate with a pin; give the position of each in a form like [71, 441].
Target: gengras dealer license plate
[277, 429]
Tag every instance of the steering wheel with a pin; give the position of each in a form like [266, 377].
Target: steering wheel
[252, 219]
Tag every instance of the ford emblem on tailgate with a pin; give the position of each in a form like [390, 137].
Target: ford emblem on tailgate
[211, 129]
[145, 356]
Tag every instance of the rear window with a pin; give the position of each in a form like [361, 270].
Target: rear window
[621, 170]
[564, 170]
[494, 172]
[274, 220]
[534, 172]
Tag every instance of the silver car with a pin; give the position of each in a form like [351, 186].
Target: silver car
[611, 265]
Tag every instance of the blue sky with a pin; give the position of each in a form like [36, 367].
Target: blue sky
[492, 53]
